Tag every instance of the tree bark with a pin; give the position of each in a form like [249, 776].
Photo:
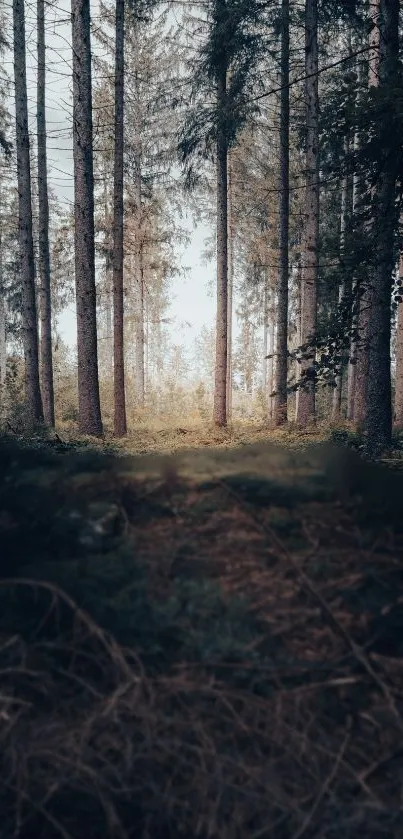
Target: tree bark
[120, 425]
[378, 420]
[26, 246]
[139, 266]
[280, 400]
[398, 405]
[45, 302]
[230, 290]
[306, 399]
[87, 350]
[220, 386]
[3, 333]
[337, 393]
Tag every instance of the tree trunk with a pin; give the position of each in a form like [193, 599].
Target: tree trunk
[120, 425]
[398, 406]
[220, 387]
[139, 266]
[272, 366]
[306, 400]
[87, 350]
[230, 290]
[3, 334]
[280, 402]
[378, 420]
[45, 302]
[29, 322]
[337, 393]
[363, 286]
[265, 341]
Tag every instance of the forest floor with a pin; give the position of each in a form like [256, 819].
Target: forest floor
[209, 645]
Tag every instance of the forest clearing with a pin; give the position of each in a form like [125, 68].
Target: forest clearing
[206, 644]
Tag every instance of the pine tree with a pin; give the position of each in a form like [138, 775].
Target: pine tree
[280, 405]
[30, 330]
[378, 420]
[306, 397]
[118, 302]
[45, 307]
[87, 352]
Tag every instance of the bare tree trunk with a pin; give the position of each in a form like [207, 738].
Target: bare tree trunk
[29, 322]
[87, 348]
[45, 301]
[3, 333]
[398, 406]
[352, 367]
[230, 290]
[120, 425]
[280, 403]
[378, 420]
[265, 341]
[220, 387]
[306, 399]
[365, 292]
[337, 393]
[139, 336]
[108, 283]
[272, 365]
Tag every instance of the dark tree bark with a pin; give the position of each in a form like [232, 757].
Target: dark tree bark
[120, 425]
[29, 321]
[280, 403]
[87, 351]
[230, 288]
[306, 396]
[378, 420]
[220, 388]
[45, 304]
[398, 404]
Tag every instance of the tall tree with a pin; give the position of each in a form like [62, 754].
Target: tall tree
[220, 386]
[378, 420]
[87, 352]
[306, 397]
[398, 404]
[280, 403]
[45, 304]
[29, 321]
[120, 425]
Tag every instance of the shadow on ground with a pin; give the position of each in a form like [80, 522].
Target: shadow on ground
[210, 645]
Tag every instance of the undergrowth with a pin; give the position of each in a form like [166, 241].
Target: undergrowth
[185, 658]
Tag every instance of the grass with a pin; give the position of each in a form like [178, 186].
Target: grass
[205, 647]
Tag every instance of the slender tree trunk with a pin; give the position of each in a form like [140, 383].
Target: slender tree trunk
[280, 402]
[363, 286]
[139, 336]
[120, 425]
[29, 322]
[337, 393]
[306, 400]
[45, 302]
[108, 281]
[87, 349]
[378, 420]
[356, 320]
[272, 365]
[230, 290]
[265, 342]
[398, 406]
[3, 333]
[220, 388]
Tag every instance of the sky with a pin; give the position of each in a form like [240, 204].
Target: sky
[192, 305]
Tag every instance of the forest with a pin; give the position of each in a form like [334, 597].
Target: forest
[201, 419]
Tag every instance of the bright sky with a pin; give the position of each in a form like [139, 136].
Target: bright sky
[191, 302]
